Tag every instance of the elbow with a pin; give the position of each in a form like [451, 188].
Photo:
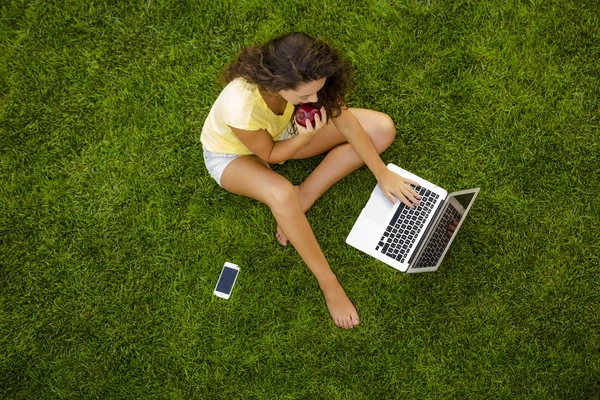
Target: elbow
[266, 158]
[272, 160]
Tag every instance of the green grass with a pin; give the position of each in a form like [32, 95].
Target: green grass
[112, 234]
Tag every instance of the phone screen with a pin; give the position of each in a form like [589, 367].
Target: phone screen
[226, 280]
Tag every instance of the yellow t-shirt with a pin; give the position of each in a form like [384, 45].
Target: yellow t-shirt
[241, 106]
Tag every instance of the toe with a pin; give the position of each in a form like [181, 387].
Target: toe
[346, 324]
[281, 238]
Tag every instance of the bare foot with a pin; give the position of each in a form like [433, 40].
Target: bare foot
[341, 308]
[305, 204]
[281, 238]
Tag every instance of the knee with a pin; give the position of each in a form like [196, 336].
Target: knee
[388, 130]
[384, 134]
[282, 197]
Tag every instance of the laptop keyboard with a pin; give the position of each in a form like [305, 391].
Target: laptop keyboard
[405, 226]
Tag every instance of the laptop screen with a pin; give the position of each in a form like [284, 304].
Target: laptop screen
[439, 240]
[464, 199]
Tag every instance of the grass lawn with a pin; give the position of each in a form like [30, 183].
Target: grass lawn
[112, 234]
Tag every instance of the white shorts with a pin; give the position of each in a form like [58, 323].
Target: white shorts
[217, 162]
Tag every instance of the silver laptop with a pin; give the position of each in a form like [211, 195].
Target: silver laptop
[411, 239]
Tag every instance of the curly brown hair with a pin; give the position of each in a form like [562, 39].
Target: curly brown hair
[293, 59]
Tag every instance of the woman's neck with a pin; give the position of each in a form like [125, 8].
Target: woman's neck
[274, 101]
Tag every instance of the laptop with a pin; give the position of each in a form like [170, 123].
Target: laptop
[411, 239]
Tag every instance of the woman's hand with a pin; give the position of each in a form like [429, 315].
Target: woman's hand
[392, 184]
[309, 131]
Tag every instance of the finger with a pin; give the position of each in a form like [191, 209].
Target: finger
[389, 196]
[309, 125]
[324, 115]
[413, 192]
[412, 197]
[407, 202]
[410, 181]
[321, 119]
[409, 189]
[318, 122]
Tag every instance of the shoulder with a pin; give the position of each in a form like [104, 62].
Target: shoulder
[237, 104]
[239, 90]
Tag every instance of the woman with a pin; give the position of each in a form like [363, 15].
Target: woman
[249, 127]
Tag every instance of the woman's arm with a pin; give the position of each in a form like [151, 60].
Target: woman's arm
[262, 144]
[390, 183]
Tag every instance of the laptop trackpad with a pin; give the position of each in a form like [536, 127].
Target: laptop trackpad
[378, 208]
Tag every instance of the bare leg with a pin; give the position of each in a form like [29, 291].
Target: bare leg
[249, 177]
[341, 159]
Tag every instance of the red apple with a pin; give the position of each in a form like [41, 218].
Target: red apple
[306, 112]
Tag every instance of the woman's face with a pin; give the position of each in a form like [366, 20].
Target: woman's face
[304, 93]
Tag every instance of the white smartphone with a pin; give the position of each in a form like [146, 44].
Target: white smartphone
[226, 281]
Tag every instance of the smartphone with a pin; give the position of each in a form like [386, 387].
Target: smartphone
[226, 281]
